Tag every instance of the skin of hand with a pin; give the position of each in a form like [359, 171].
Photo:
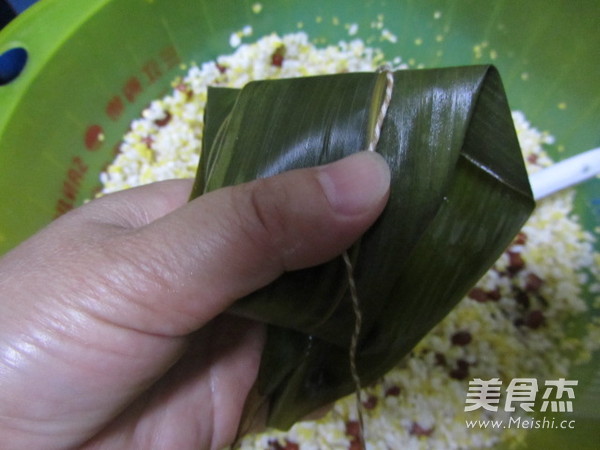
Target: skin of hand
[112, 332]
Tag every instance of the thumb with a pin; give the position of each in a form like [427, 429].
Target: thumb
[194, 262]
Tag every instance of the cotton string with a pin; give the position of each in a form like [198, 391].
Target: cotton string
[350, 270]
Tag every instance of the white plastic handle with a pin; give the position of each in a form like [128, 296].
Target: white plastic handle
[566, 173]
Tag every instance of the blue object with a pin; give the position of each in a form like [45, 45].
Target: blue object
[12, 63]
[20, 5]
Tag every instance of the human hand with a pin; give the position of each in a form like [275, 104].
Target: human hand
[111, 326]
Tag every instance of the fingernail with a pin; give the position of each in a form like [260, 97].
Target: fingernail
[355, 183]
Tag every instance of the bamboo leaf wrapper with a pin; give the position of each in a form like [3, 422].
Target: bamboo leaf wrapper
[459, 194]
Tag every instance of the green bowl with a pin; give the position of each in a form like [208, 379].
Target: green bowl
[92, 66]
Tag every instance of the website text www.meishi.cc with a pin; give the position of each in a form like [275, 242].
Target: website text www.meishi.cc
[523, 423]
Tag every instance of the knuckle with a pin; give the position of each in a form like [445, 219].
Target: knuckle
[266, 216]
[138, 262]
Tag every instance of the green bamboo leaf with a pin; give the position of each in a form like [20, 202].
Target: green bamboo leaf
[219, 103]
[459, 194]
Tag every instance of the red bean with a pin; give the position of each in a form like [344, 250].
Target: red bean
[165, 120]
[392, 391]
[478, 294]
[515, 263]
[353, 428]
[370, 402]
[278, 56]
[533, 283]
[494, 295]
[521, 239]
[418, 430]
[461, 338]
[461, 371]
